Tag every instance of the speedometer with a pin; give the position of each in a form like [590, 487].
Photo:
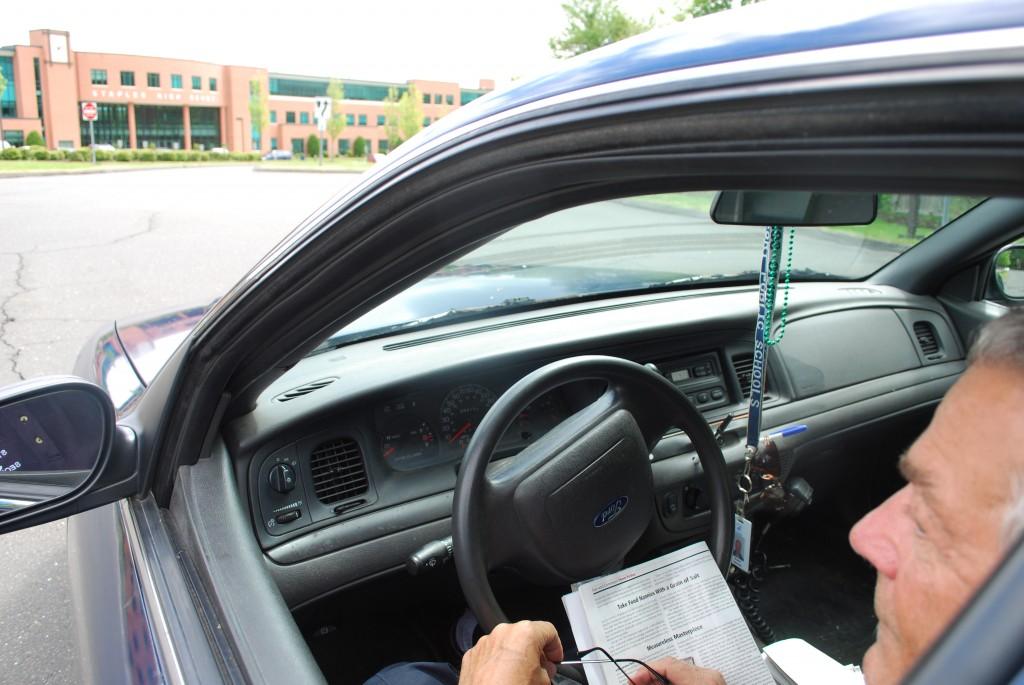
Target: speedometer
[461, 412]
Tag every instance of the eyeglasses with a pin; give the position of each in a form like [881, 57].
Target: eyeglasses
[609, 659]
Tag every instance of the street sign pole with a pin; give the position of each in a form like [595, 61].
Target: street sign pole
[92, 143]
[321, 112]
[89, 113]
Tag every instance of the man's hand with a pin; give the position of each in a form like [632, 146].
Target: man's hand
[513, 654]
[678, 673]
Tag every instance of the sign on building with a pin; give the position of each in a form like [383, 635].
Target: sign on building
[89, 111]
[321, 112]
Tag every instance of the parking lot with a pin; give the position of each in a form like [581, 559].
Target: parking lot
[77, 252]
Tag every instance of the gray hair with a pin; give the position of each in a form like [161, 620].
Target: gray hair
[1002, 342]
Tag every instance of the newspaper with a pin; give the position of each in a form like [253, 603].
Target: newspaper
[676, 605]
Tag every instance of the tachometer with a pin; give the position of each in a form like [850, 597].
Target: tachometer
[408, 443]
[461, 412]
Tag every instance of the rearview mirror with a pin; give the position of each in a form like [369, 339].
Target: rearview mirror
[55, 437]
[793, 208]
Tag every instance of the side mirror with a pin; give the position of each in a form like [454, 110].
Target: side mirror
[57, 436]
[1009, 272]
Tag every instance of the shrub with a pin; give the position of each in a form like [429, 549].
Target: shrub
[104, 155]
[203, 157]
[254, 156]
[39, 153]
[123, 156]
[11, 153]
[145, 155]
[79, 155]
[359, 147]
[313, 145]
[34, 138]
[180, 155]
[219, 156]
[165, 155]
[55, 155]
[239, 157]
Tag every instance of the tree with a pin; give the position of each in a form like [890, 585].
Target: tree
[391, 116]
[34, 138]
[359, 147]
[257, 109]
[702, 8]
[313, 145]
[594, 24]
[336, 124]
[410, 113]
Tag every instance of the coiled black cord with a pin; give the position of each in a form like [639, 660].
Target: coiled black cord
[746, 588]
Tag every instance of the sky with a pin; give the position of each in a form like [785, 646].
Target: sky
[392, 40]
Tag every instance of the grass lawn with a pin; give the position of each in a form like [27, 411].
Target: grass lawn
[23, 166]
[884, 232]
[311, 164]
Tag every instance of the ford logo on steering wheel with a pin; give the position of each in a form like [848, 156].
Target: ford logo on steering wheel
[610, 511]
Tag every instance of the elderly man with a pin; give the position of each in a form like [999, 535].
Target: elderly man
[933, 543]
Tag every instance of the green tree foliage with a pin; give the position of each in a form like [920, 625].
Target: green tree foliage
[391, 116]
[34, 138]
[359, 147]
[593, 24]
[257, 108]
[701, 8]
[336, 124]
[410, 114]
[313, 145]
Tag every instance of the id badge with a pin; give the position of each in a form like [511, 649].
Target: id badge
[741, 544]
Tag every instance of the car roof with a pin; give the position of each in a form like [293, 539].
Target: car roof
[761, 30]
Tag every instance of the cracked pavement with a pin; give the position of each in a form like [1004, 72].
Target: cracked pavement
[77, 252]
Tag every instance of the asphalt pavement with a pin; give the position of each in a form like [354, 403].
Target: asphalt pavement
[78, 251]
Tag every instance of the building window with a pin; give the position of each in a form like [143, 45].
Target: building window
[426, 98]
[110, 127]
[350, 119]
[381, 120]
[127, 78]
[362, 120]
[98, 77]
[197, 83]
[14, 137]
[382, 146]
[157, 126]
[273, 143]
[289, 117]
[303, 117]
[8, 99]
[153, 80]
[343, 146]
[426, 121]
[298, 146]
[273, 116]
[205, 125]
[256, 139]
[449, 99]
[175, 80]
[39, 89]
[437, 98]
[213, 83]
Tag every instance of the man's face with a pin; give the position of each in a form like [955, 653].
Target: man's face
[939, 537]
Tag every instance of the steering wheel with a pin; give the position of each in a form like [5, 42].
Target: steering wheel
[572, 504]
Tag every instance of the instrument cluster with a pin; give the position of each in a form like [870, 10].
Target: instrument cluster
[430, 428]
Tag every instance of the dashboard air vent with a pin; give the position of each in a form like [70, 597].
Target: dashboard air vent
[926, 339]
[338, 470]
[744, 365]
[304, 389]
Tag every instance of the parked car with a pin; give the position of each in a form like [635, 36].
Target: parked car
[277, 154]
[107, 147]
[219, 151]
[254, 476]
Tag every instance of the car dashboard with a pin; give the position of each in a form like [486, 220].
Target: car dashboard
[349, 461]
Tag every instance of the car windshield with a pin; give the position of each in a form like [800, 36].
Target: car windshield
[637, 244]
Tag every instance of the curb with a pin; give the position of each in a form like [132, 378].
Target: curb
[297, 170]
[121, 170]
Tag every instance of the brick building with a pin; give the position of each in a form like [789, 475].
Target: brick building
[181, 104]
